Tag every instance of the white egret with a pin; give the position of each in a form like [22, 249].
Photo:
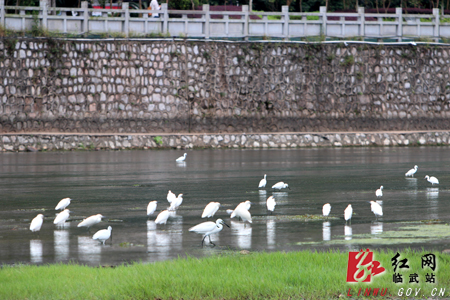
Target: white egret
[431, 179]
[263, 182]
[230, 211]
[176, 203]
[210, 209]
[62, 217]
[151, 207]
[162, 217]
[376, 209]
[270, 203]
[36, 223]
[91, 221]
[208, 228]
[326, 209]
[348, 213]
[171, 196]
[379, 192]
[412, 171]
[280, 185]
[243, 205]
[181, 158]
[103, 235]
[242, 213]
[63, 204]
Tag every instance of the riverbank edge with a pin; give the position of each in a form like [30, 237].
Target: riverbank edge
[39, 141]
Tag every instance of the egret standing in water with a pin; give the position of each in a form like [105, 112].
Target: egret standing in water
[62, 217]
[210, 209]
[412, 171]
[376, 209]
[171, 196]
[91, 221]
[431, 179]
[36, 223]
[243, 205]
[270, 203]
[280, 185]
[379, 192]
[208, 228]
[63, 204]
[151, 207]
[326, 209]
[348, 213]
[162, 217]
[103, 235]
[263, 182]
[176, 203]
[181, 158]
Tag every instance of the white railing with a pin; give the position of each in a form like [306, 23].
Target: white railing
[230, 24]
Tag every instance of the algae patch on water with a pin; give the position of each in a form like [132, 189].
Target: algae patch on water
[422, 233]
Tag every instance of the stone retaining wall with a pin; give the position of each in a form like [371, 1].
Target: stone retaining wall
[49, 142]
[167, 86]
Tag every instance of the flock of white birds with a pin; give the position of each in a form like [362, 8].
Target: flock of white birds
[241, 211]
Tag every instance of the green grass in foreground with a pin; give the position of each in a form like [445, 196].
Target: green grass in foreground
[279, 275]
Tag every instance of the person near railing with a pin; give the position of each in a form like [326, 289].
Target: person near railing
[154, 5]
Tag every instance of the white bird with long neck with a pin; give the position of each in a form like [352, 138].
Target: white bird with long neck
[280, 185]
[63, 204]
[36, 223]
[263, 182]
[162, 217]
[176, 203]
[90, 221]
[326, 209]
[376, 209]
[171, 196]
[208, 228]
[210, 209]
[412, 171]
[348, 212]
[181, 158]
[151, 207]
[431, 179]
[62, 217]
[103, 235]
[379, 192]
[270, 203]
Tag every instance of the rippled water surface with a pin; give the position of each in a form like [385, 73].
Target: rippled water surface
[120, 184]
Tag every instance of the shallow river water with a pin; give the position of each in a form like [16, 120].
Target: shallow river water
[119, 185]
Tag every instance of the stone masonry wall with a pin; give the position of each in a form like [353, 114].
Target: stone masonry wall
[173, 86]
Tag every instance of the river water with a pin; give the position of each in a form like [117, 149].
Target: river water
[119, 185]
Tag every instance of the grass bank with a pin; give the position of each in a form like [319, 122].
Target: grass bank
[279, 275]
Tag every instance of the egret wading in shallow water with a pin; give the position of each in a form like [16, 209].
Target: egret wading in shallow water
[376, 209]
[181, 158]
[171, 196]
[379, 192]
[62, 217]
[210, 209]
[270, 203]
[162, 217]
[263, 182]
[176, 203]
[242, 213]
[431, 179]
[36, 223]
[91, 221]
[412, 171]
[63, 204]
[326, 209]
[103, 235]
[208, 228]
[151, 207]
[280, 185]
[241, 206]
[348, 212]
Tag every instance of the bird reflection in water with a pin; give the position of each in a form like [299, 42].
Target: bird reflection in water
[326, 231]
[88, 250]
[262, 197]
[36, 251]
[61, 244]
[243, 234]
[376, 228]
[270, 227]
[432, 193]
[348, 232]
